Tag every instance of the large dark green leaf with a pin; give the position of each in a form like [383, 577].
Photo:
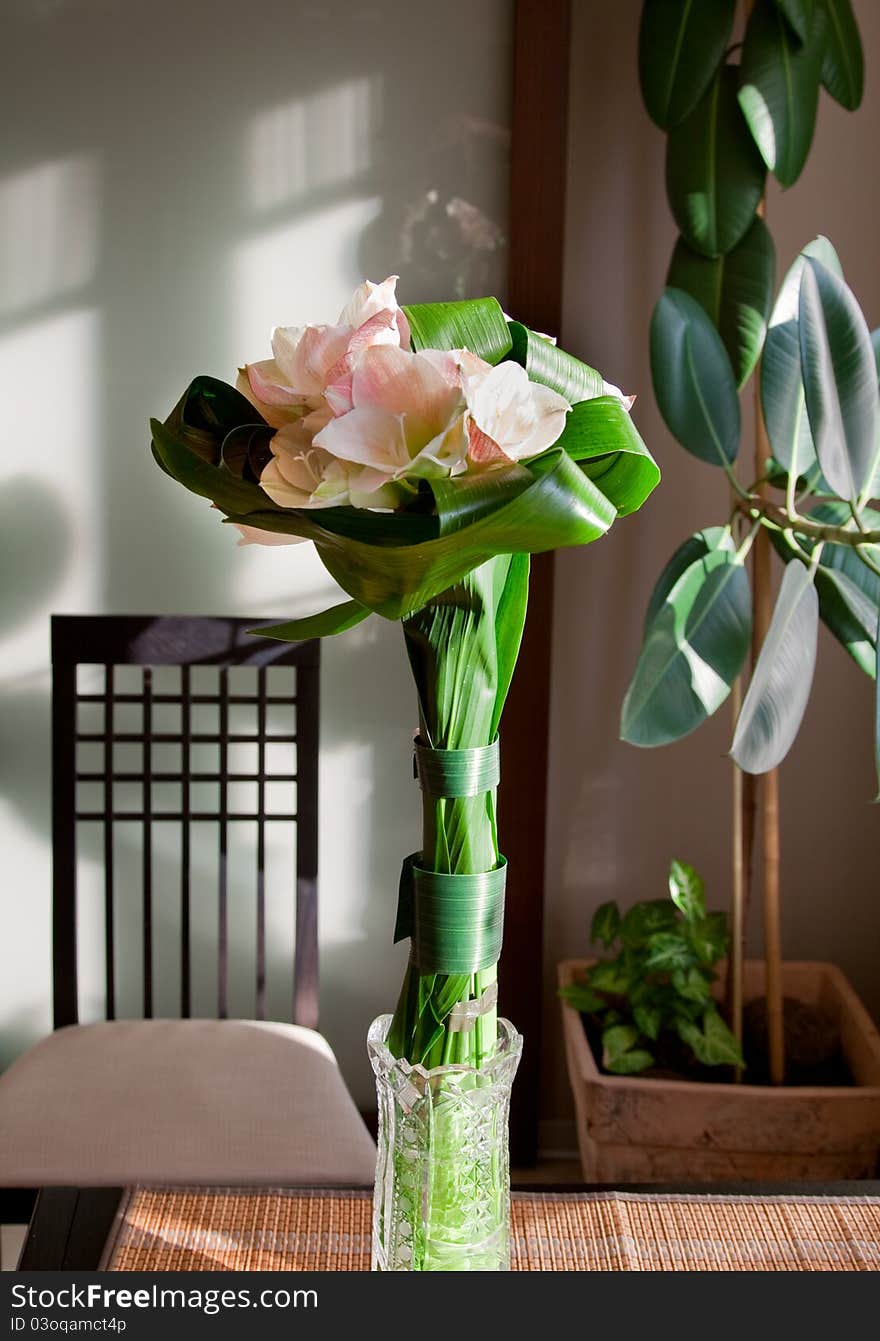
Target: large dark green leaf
[840, 380]
[734, 290]
[799, 14]
[693, 379]
[780, 685]
[337, 619]
[849, 592]
[681, 43]
[782, 390]
[697, 546]
[692, 652]
[477, 324]
[551, 366]
[601, 436]
[779, 90]
[714, 173]
[843, 62]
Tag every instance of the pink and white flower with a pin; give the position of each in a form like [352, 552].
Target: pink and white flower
[405, 417]
[307, 360]
[508, 417]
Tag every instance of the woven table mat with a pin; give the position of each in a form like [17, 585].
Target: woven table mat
[242, 1229]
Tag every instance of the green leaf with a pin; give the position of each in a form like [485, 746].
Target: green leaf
[551, 366]
[668, 951]
[395, 563]
[581, 998]
[179, 459]
[782, 390]
[643, 920]
[477, 324]
[713, 1044]
[848, 591]
[840, 380]
[560, 507]
[631, 1062]
[780, 686]
[605, 924]
[714, 173]
[843, 63]
[693, 380]
[709, 939]
[510, 620]
[616, 1041]
[799, 14]
[692, 653]
[735, 291]
[337, 619]
[609, 976]
[779, 90]
[877, 721]
[600, 435]
[681, 43]
[697, 546]
[687, 890]
[849, 614]
[691, 984]
[648, 1020]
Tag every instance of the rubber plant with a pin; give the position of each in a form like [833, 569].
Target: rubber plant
[734, 111]
[426, 451]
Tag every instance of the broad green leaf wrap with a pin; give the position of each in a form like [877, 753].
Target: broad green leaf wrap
[477, 324]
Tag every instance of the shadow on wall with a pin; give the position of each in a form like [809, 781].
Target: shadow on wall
[187, 178]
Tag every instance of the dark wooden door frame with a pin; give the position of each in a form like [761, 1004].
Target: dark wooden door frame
[538, 164]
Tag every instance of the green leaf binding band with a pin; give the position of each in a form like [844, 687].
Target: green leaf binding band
[455, 921]
[453, 773]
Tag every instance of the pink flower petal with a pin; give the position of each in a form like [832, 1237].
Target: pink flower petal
[253, 535]
[370, 436]
[305, 356]
[483, 450]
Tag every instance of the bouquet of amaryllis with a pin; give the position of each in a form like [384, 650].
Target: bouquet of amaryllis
[427, 451]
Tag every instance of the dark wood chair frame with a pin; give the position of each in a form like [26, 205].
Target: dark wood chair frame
[186, 642]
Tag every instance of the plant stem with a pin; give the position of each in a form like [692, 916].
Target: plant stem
[767, 786]
[453, 650]
[758, 507]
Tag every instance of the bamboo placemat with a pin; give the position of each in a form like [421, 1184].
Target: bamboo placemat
[242, 1229]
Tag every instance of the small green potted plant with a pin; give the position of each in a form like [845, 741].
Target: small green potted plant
[649, 1008]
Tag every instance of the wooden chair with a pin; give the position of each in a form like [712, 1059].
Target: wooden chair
[183, 1100]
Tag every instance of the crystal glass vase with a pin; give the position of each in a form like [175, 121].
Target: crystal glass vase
[442, 1195]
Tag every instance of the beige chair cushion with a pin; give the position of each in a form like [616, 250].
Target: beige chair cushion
[180, 1101]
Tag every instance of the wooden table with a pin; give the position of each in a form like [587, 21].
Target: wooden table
[781, 1227]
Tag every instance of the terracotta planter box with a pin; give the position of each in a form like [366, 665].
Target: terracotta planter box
[631, 1129]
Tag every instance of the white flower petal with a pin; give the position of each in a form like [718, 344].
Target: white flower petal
[368, 300]
[369, 436]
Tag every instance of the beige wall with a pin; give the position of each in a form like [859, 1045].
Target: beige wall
[182, 177]
[617, 814]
